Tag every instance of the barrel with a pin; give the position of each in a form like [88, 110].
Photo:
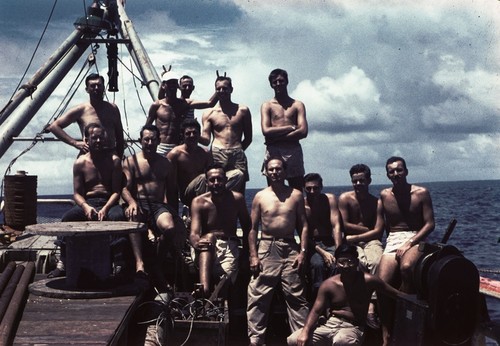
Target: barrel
[20, 200]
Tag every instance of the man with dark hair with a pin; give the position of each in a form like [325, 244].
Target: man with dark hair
[325, 229]
[409, 219]
[283, 121]
[278, 211]
[190, 161]
[151, 195]
[186, 86]
[96, 187]
[169, 111]
[230, 124]
[95, 111]
[345, 297]
[364, 224]
[215, 216]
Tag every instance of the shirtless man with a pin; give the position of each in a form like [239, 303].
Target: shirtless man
[409, 218]
[364, 224]
[345, 296]
[231, 126]
[150, 185]
[325, 230]
[283, 122]
[363, 219]
[186, 86]
[213, 228]
[279, 211]
[169, 112]
[96, 111]
[190, 161]
[96, 186]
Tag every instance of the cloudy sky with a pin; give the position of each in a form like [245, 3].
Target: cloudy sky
[378, 78]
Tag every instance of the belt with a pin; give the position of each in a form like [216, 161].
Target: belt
[284, 240]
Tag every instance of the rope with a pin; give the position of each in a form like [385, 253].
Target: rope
[36, 49]
[491, 271]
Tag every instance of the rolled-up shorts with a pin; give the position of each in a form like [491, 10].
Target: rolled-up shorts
[396, 239]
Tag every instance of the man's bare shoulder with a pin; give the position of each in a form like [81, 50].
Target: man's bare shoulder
[346, 197]
[386, 192]
[202, 200]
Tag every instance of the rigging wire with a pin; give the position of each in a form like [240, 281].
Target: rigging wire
[36, 49]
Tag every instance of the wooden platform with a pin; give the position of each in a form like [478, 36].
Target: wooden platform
[50, 321]
[29, 247]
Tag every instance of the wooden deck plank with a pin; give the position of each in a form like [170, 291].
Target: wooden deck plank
[51, 321]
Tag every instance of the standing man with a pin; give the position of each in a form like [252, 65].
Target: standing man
[231, 126]
[284, 123]
[409, 219]
[364, 224]
[215, 216]
[169, 111]
[186, 86]
[345, 297]
[278, 211]
[151, 194]
[96, 186]
[325, 230]
[95, 111]
[190, 160]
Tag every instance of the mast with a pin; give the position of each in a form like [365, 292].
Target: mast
[28, 100]
[138, 53]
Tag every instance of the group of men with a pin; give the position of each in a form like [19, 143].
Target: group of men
[340, 250]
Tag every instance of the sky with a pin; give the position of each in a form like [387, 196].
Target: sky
[416, 79]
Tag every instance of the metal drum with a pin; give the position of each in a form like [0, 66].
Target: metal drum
[450, 284]
[20, 200]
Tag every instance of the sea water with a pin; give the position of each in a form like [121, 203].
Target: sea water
[474, 204]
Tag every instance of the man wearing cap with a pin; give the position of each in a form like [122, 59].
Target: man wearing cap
[169, 111]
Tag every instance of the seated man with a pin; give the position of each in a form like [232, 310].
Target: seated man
[324, 227]
[150, 184]
[96, 185]
[346, 297]
[190, 161]
[364, 224]
[215, 215]
[409, 219]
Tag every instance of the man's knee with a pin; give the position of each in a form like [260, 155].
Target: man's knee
[165, 223]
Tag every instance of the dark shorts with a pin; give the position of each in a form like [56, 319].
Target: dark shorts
[151, 211]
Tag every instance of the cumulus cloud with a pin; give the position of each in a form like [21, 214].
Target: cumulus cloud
[417, 79]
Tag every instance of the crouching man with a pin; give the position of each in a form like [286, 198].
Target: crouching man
[346, 296]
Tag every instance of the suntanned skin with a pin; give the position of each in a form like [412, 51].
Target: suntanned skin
[279, 210]
[167, 113]
[323, 217]
[215, 214]
[361, 212]
[346, 295]
[96, 174]
[229, 123]
[283, 119]
[150, 176]
[189, 159]
[95, 111]
[406, 207]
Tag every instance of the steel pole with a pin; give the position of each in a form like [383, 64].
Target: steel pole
[22, 115]
[39, 75]
[150, 77]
